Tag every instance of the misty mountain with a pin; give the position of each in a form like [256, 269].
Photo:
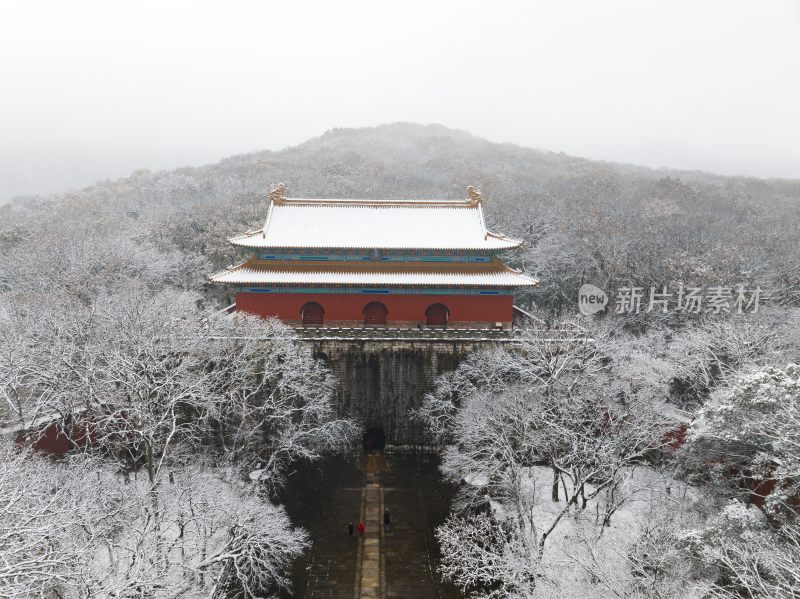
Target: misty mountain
[411, 160]
[583, 220]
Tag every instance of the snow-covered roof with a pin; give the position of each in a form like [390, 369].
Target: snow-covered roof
[295, 272]
[375, 224]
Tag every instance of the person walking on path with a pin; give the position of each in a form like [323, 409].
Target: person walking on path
[350, 530]
[361, 529]
[387, 520]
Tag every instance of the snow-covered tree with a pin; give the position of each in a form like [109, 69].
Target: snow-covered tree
[550, 431]
[276, 398]
[752, 427]
[710, 355]
[75, 529]
[743, 555]
[746, 438]
[168, 405]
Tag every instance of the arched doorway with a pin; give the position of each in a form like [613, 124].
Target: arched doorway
[373, 439]
[436, 315]
[375, 313]
[312, 313]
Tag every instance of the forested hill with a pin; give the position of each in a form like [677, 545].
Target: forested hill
[108, 324]
[584, 220]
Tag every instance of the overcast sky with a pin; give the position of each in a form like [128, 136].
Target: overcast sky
[93, 90]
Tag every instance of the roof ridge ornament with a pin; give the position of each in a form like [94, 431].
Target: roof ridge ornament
[276, 196]
[474, 197]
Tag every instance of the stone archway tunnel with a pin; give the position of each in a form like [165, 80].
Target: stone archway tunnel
[381, 383]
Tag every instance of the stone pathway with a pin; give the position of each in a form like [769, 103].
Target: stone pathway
[394, 565]
[330, 570]
[369, 569]
[417, 501]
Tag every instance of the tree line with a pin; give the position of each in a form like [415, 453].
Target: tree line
[570, 480]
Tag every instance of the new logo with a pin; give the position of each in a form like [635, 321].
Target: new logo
[591, 299]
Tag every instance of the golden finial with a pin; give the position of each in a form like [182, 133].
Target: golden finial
[474, 196]
[276, 195]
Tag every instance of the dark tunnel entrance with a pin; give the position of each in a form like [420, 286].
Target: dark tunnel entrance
[373, 439]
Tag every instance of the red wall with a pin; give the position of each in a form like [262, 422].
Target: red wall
[409, 308]
[52, 440]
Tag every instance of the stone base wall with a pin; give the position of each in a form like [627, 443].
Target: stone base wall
[381, 383]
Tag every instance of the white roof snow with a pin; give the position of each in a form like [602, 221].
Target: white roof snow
[375, 224]
[493, 274]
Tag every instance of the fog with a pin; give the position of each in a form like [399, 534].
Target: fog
[95, 90]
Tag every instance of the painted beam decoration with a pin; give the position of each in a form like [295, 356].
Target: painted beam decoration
[427, 263]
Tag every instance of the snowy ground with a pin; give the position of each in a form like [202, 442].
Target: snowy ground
[581, 557]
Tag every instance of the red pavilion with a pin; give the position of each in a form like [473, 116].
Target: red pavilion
[403, 263]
